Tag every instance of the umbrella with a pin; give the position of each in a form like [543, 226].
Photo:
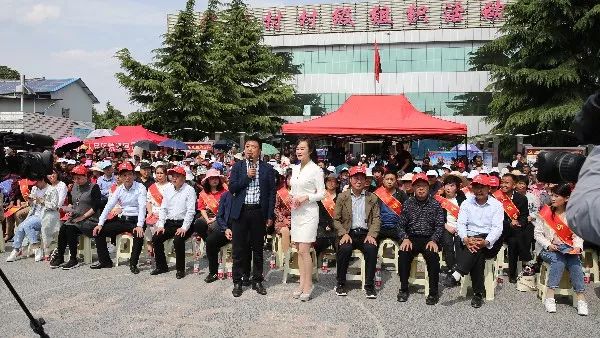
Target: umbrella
[341, 167]
[268, 149]
[68, 143]
[470, 147]
[224, 144]
[175, 144]
[146, 145]
[101, 133]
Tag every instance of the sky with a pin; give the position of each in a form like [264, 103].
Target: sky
[59, 39]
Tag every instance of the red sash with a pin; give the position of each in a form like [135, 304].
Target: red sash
[389, 200]
[452, 208]
[560, 228]
[284, 194]
[329, 204]
[509, 207]
[113, 188]
[11, 211]
[155, 193]
[210, 201]
[24, 187]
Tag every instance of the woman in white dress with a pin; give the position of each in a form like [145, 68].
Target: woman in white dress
[307, 188]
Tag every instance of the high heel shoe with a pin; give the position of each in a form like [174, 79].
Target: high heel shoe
[297, 293]
[306, 296]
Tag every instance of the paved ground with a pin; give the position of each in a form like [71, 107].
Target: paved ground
[112, 302]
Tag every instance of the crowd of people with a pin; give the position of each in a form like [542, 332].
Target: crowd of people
[463, 210]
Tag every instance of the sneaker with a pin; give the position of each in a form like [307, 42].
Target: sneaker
[39, 254]
[370, 292]
[340, 290]
[477, 300]
[582, 308]
[550, 305]
[71, 264]
[14, 255]
[56, 260]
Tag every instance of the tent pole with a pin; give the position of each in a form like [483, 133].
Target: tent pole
[466, 149]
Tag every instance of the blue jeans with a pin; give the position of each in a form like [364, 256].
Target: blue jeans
[31, 227]
[558, 261]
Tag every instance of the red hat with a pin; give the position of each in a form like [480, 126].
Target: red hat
[481, 179]
[79, 170]
[460, 165]
[493, 181]
[420, 176]
[177, 170]
[125, 166]
[357, 170]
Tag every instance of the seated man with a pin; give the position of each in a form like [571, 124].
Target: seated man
[357, 223]
[420, 229]
[390, 206]
[131, 196]
[174, 220]
[479, 227]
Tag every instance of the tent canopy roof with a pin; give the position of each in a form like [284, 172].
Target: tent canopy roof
[378, 115]
[129, 134]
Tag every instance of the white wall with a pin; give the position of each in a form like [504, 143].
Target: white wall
[75, 98]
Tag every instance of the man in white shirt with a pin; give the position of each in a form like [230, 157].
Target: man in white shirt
[175, 218]
[479, 226]
[131, 196]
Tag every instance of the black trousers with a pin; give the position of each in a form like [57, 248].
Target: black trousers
[214, 242]
[344, 252]
[519, 247]
[451, 247]
[178, 243]
[432, 260]
[387, 233]
[473, 263]
[115, 227]
[201, 227]
[248, 236]
[322, 243]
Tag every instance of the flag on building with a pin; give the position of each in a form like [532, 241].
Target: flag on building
[377, 62]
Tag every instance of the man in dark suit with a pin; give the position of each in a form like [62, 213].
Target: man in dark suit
[252, 184]
[518, 232]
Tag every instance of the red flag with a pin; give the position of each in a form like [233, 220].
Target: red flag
[377, 63]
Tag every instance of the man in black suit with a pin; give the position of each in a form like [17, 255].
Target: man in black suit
[252, 184]
[518, 232]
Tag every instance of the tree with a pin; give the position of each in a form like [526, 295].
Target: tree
[253, 82]
[175, 90]
[544, 65]
[110, 119]
[7, 73]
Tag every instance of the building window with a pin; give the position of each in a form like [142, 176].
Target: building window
[66, 112]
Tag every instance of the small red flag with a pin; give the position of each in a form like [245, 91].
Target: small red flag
[377, 63]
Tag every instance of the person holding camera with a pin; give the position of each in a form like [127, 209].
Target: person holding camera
[561, 248]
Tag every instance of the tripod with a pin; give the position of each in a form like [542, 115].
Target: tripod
[37, 325]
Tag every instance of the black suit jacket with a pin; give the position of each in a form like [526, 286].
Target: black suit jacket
[239, 181]
[520, 202]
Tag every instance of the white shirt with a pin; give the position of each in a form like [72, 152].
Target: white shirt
[62, 190]
[475, 219]
[178, 205]
[132, 202]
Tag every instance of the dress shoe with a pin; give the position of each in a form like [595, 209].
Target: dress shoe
[134, 269]
[260, 289]
[402, 296]
[211, 278]
[512, 280]
[237, 290]
[101, 266]
[432, 299]
[450, 281]
[158, 271]
[477, 300]
[179, 274]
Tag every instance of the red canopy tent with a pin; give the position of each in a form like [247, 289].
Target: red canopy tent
[381, 116]
[127, 136]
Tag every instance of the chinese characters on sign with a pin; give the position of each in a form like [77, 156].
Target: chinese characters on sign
[416, 14]
[453, 12]
[272, 21]
[342, 16]
[380, 15]
[493, 11]
[306, 20]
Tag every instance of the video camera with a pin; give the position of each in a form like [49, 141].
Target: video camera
[562, 166]
[28, 164]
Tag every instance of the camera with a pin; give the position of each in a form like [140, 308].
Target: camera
[29, 164]
[561, 166]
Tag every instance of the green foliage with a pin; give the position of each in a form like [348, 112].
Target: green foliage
[544, 65]
[212, 73]
[7, 73]
[110, 119]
